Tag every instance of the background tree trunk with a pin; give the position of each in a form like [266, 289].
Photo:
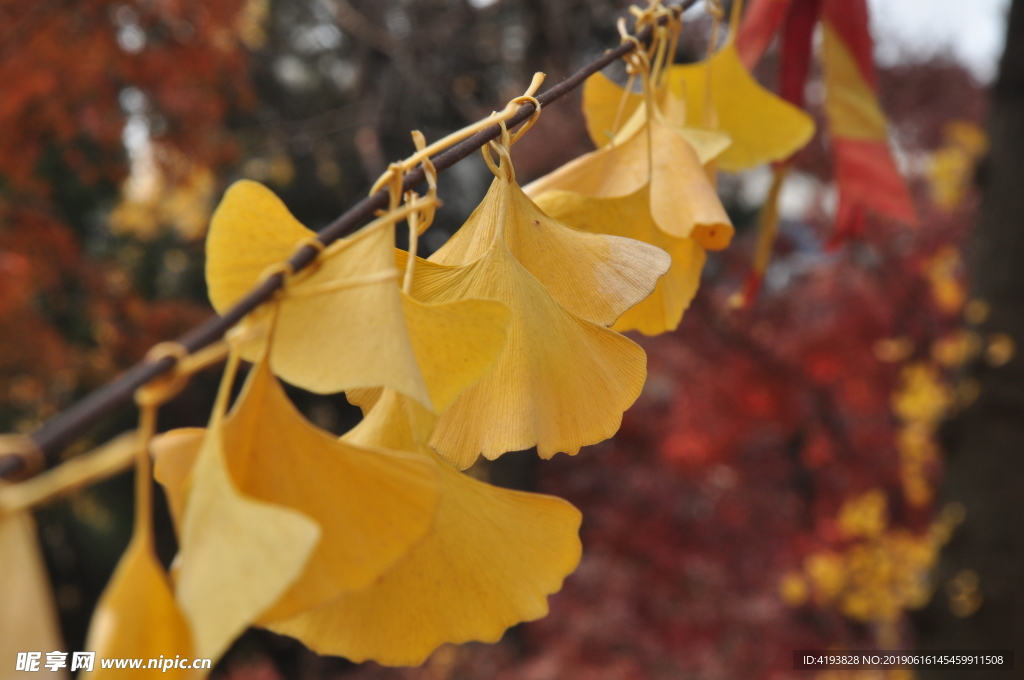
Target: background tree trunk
[985, 442]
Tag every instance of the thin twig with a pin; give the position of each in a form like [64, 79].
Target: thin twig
[353, 21]
[62, 429]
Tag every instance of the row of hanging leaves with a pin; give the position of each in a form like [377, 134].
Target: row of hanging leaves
[375, 545]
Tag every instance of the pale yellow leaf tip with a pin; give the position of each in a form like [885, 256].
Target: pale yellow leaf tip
[250, 230]
[28, 613]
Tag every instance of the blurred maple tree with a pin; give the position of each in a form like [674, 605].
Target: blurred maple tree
[73, 76]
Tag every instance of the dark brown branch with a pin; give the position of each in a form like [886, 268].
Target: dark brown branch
[62, 429]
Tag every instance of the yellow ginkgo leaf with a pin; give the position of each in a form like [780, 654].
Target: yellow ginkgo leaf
[371, 505]
[174, 453]
[607, 106]
[683, 202]
[629, 216]
[490, 561]
[763, 126]
[562, 382]
[387, 503]
[340, 323]
[250, 230]
[393, 422]
[456, 344]
[671, 112]
[137, 615]
[237, 555]
[593, 275]
[28, 621]
[601, 98]
[709, 145]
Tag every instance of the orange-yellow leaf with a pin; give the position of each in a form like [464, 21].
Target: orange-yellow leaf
[237, 555]
[630, 216]
[137, 616]
[763, 126]
[683, 202]
[562, 382]
[594, 275]
[371, 505]
[174, 453]
[490, 561]
[602, 100]
[340, 323]
[456, 344]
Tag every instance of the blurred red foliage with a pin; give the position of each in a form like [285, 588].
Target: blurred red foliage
[72, 320]
[63, 72]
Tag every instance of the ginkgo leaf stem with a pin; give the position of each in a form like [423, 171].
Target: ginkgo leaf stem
[60, 430]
